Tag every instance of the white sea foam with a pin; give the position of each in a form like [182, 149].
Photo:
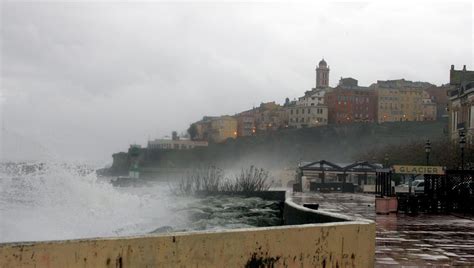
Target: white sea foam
[50, 201]
[59, 202]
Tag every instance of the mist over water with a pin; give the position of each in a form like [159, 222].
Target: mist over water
[60, 202]
[50, 199]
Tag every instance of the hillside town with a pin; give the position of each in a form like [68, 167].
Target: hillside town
[348, 102]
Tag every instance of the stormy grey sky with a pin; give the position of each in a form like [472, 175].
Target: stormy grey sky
[80, 81]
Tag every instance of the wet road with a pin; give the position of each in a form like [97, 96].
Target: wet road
[403, 240]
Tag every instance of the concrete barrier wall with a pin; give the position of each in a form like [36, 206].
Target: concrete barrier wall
[323, 245]
[337, 244]
[266, 195]
[295, 214]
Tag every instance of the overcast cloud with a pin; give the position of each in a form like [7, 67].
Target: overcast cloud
[80, 81]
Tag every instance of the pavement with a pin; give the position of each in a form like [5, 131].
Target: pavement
[423, 240]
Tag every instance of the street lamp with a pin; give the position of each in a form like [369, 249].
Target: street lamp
[386, 160]
[462, 144]
[427, 151]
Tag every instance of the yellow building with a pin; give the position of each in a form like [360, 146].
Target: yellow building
[403, 105]
[215, 128]
[389, 106]
[222, 128]
[430, 108]
[401, 100]
[270, 116]
[245, 124]
[411, 104]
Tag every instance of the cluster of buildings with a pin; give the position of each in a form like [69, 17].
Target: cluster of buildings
[383, 101]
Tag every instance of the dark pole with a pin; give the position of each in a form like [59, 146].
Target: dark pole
[462, 143]
[427, 151]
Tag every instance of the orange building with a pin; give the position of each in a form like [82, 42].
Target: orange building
[348, 105]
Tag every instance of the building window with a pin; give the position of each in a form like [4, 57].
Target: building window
[455, 120]
[471, 117]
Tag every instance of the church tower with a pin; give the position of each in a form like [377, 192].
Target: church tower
[322, 75]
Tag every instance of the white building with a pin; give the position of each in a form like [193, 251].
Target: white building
[461, 107]
[179, 144]
[307, 116]
[313, 97]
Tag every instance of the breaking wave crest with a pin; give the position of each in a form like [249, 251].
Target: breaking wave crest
[49, 201]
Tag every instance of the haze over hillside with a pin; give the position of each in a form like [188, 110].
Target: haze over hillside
[285, 148]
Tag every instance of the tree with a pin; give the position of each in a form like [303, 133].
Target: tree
[444, 152]
[193, 132]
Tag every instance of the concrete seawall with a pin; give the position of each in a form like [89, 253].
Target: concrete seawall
[295, 214]
[266, 195]
[347, 243]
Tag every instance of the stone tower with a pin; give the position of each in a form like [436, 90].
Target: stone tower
[322, 75]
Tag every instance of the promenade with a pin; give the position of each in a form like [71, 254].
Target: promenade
[404, 240]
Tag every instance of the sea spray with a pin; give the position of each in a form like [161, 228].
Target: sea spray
[51, 201]
[57, 201]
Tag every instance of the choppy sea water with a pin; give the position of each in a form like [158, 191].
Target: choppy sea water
[55, 201]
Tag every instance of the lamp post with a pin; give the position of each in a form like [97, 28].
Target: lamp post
[462, 144]
[427, 151]
[386, 160]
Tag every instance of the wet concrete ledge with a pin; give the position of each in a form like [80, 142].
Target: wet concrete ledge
[341, 242]
[265, 195]
[297, 214]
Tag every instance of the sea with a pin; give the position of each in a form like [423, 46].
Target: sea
[42, 201]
